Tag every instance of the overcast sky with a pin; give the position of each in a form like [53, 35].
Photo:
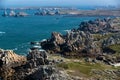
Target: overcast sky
[21, 3]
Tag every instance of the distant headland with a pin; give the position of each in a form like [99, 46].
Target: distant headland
[64, 11]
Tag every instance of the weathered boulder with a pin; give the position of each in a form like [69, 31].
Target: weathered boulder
[9, 59]
[48, 73]
[52, 44]
[36, 58]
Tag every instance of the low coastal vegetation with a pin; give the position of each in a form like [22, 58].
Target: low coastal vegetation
[83, 67]
[115, 47]
[86, 69]
[101, 37]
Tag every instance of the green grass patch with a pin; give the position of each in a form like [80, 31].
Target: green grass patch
[115, 47]
[99, 36]
[84, 67]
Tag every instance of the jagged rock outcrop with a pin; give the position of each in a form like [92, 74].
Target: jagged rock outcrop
[33, 67]
[101, 26]
[115, 39]
[52, 44]
[75, 42]
[82, 41]
[8, 61]
[48, 73]
[36, 58]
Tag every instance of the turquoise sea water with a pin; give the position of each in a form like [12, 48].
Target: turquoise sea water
[16, 33]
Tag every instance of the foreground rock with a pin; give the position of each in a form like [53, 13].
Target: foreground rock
[9, 60]
[33, 67]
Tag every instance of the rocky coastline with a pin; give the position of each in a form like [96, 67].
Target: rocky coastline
[91, 39]
[66, 12]
[89, 52]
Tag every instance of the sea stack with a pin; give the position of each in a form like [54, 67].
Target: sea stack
[21, 14]
[5, 14]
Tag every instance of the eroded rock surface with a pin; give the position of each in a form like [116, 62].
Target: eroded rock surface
[33, 67]
[9, 60]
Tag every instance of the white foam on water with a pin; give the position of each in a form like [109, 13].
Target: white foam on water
[43, 40]
[1, 32]
[67, 30]
[37, 46]
[15, 49]
[41, 50]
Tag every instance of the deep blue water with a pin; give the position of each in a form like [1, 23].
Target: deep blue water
[16, 33]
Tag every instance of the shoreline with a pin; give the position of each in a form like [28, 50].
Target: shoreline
[60, 11]
[96, 41]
